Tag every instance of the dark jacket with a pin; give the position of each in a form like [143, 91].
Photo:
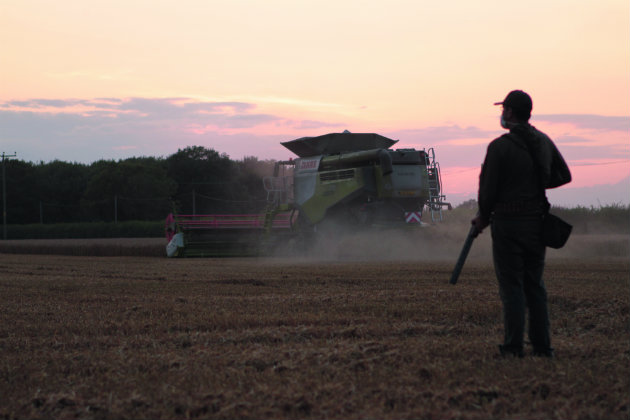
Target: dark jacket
[510, 180]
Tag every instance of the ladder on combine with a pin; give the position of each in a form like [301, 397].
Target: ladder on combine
[279, 190]
[436, 197]
[279, 187]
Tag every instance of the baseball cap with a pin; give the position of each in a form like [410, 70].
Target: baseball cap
[518, 100]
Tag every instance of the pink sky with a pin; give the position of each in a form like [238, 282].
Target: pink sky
[135, 78]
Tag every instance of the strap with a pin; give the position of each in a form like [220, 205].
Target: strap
[537, 166]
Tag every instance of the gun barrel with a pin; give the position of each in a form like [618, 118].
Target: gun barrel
[472, 234]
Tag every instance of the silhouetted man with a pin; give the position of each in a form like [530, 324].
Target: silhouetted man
[517, 168]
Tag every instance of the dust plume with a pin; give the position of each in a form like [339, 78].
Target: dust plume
[438, 242]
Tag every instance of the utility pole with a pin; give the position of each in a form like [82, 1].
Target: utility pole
[4, 194]
[194, 209]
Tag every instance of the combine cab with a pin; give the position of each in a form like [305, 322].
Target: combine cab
[338, 179]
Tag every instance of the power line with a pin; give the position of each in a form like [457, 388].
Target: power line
[227, 201]
[144, 198]
[599, 163]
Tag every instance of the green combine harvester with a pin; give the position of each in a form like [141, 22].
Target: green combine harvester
[352, 180]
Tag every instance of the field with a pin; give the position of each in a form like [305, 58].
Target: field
[338, 335]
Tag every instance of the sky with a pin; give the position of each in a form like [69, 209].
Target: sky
[82, 81]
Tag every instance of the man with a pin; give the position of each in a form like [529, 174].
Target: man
[517, 168]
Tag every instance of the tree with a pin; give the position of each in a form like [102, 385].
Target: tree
[249, 187]
[469, 204]
[61, 187]
[133, 189]
[21, 183]
[204, 177]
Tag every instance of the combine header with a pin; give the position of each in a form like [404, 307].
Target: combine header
[338, 180]
[225, 235]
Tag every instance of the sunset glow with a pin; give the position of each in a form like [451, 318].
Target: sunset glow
[83, 81]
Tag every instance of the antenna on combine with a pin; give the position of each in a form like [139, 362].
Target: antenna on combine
[4, 194]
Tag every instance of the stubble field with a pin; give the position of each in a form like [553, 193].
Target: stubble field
[150, 337]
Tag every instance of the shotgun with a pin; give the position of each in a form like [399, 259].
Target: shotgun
[472, 234]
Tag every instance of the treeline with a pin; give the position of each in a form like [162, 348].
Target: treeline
[606, 219]
[192, 180]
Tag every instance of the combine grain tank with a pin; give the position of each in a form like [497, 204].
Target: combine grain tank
[338, 179]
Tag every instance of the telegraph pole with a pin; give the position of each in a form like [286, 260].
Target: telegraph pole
[4, 194]
[194, 209]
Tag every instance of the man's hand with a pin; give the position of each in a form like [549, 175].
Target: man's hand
[479, 223]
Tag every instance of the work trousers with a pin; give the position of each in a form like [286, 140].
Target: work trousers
[519, 260]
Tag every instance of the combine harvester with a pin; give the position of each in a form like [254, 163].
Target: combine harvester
[338, 180]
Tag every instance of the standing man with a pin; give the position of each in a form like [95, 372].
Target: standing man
[517, 168]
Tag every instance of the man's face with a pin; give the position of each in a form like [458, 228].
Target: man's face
[506, 116]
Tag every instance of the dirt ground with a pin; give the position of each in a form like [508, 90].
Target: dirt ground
[359, 335]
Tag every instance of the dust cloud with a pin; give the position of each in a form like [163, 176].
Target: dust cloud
[441, 242]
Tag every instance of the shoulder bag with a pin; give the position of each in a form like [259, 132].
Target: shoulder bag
[555, 231]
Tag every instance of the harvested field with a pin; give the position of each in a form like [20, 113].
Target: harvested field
[150, 337]
[104, 247]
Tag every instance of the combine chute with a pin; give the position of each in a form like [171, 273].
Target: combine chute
[338, 179]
